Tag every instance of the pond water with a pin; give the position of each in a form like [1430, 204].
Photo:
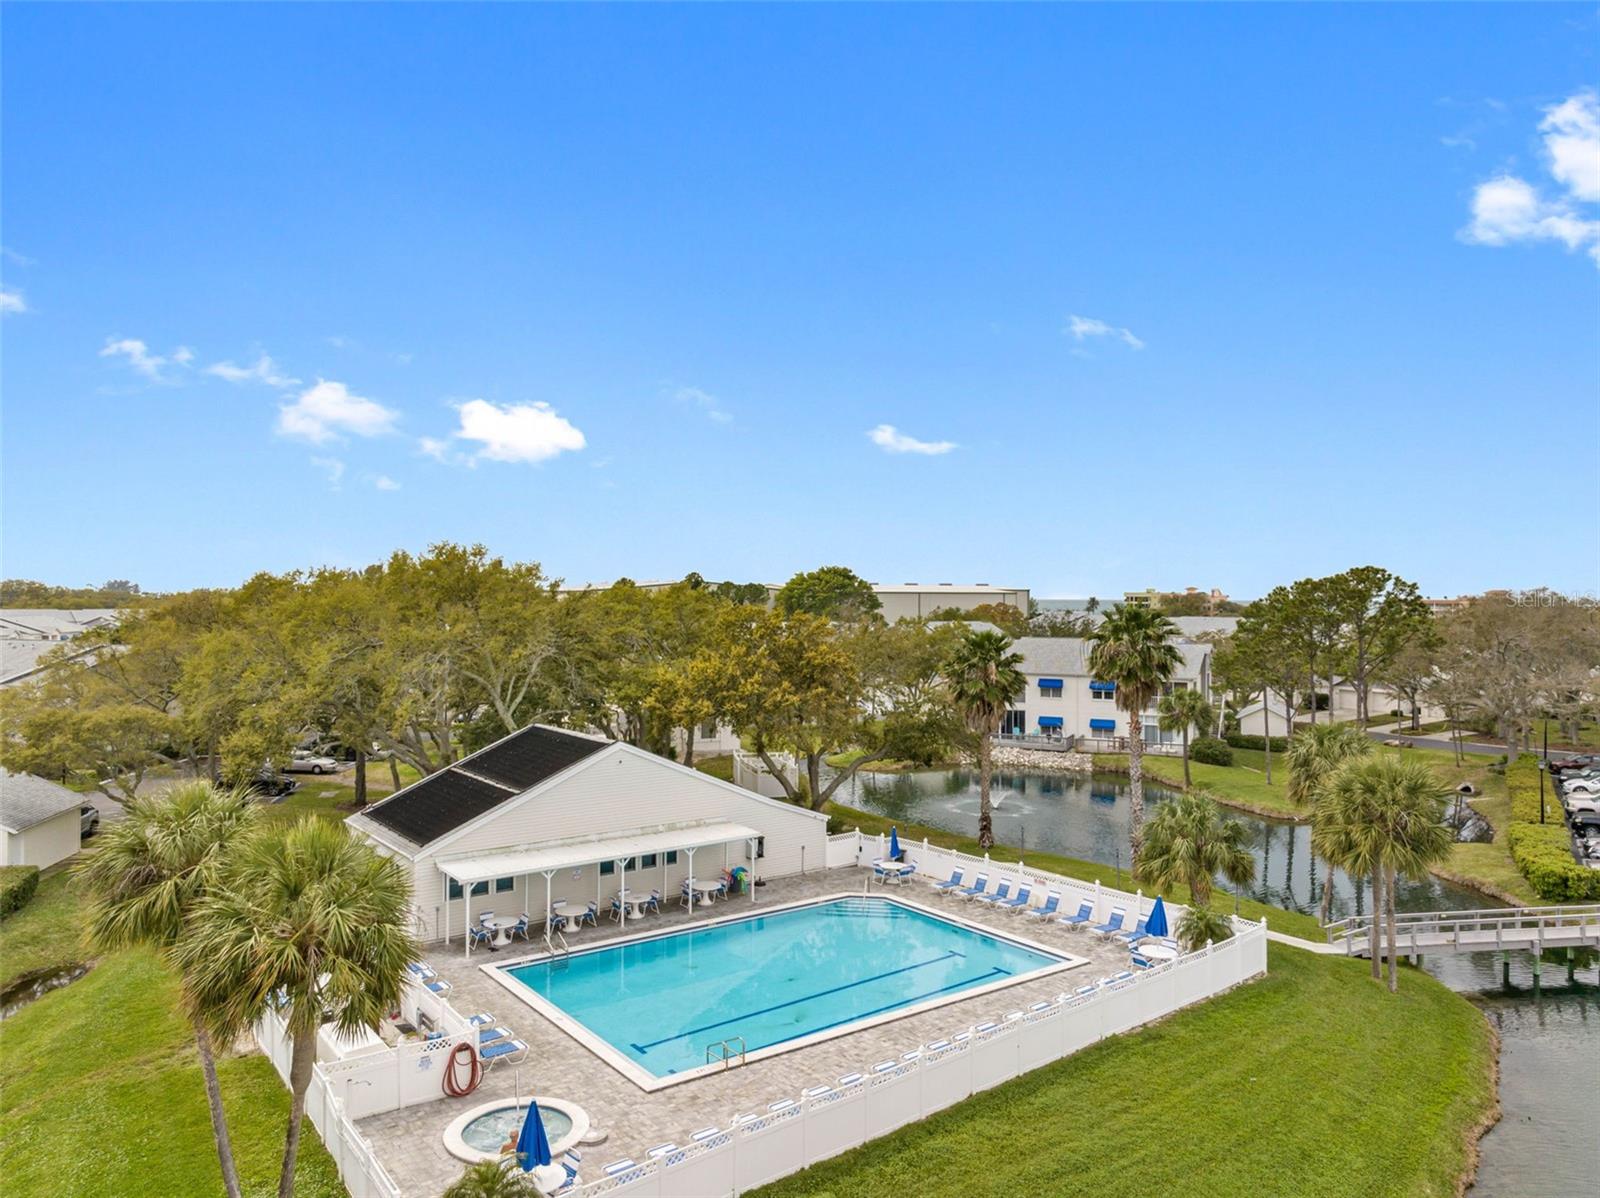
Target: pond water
[1086, 816]
[1545, 1143]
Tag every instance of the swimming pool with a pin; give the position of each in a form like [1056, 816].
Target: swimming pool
[777, 980]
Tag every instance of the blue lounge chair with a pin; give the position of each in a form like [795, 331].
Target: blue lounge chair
[1023, 898]
[1114, 924]
[491, 1034]
[979, 885]
[421, 970]
[954, 883]
[481, 1019]
[501, 1050]
[439, 986]
[616, 1167]
[1132, 936]
[1085, 915]
[1052, 901]
[1001, 893]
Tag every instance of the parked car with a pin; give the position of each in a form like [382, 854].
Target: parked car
[268, 783]
[88, 819]
[1583, 802]
[1580, 761]
[303, 761]
[1582, 786]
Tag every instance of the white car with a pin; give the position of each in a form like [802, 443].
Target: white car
[1582, 786]
[88, 819]
[1589, 803]
[305, 762]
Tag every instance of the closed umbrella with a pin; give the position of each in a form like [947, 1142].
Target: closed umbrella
[533, 1145]
[1156, 925]
[894, 843]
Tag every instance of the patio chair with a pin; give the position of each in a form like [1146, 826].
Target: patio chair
[885, 1066]
[782, 1104]
[979, 885]
[1001, 893]
[850, 1079]
[616, 1167]
[481, 936]
[521, 927]
[490, 1035]
[816, 1091]
[1114, 924]
[704, 1134]
[1085, 915]
[661, 1150]
[502, 1050]
[485, 918]
[951, 883]
[1141, 962]
[1022, 899]
[439, 986]
[616, 908]
[653, 903]
[481, 1019]
[1052, 901]
[589, 915]
[1132, 936]
[420, 970]
[686, 894]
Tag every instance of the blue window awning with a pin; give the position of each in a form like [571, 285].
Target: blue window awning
[1055, 682]
[1049, 721]
[1103, 725]
[1102, 686]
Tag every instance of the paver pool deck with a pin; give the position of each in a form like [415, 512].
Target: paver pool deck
[410, 1141]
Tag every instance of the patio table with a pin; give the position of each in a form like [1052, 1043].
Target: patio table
[502, 929]
[704, 889]
[1157, 952]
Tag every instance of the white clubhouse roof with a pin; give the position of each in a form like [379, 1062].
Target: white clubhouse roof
[480, 867]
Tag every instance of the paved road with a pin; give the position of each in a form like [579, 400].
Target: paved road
[1441, 742]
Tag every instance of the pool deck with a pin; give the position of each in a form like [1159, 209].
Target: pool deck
[410, 1141]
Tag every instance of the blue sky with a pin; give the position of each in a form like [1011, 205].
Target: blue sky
[1213, 296]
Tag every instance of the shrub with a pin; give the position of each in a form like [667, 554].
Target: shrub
[1522, 783]
[17, 884]
[1208, 750]
[1544, 855]
[1280, 744]
[1200, 925]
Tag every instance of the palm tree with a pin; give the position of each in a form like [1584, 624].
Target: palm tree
[1201, 926]
[1189, 841]
[145, 880]
[1314, 756]
[491, 1179]
[1389, 809]
[1132, 647]
[312, 923]
[1185, 709]
[984, 680]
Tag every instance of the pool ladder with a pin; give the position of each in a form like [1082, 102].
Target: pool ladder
[559, 948]
[722, 1051]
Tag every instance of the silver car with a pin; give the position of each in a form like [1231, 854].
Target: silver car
[88, 820]
[303, 761]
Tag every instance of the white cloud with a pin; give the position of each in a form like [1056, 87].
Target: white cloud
[333, 468]
[384, 483]
[434, 447]
[140, 358]
[891, 440]
[264, 371]
[1572, 139]
[1082, 327]
[324, 411]
[706, 402]
[11, 301]
[1508, 209]
[516, 432]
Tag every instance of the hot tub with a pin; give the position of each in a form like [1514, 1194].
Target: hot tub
[478, 1134]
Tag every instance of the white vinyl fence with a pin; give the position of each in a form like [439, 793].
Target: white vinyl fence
[359, 1168]
[750, 772]
[795, 1132]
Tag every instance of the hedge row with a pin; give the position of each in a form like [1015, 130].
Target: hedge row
[1239, 740]
[1544, 855]
[1522, 784]
[1208, 750]
[17, 884]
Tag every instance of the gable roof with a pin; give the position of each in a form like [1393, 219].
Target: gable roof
[26, 800]
[427, 810]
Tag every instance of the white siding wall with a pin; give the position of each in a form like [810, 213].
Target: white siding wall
[1077, 706]
[56, 839]
[619, 791]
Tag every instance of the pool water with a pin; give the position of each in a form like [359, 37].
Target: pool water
[488, 1133]
[771, 978]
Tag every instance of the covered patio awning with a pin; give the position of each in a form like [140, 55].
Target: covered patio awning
[481, 867]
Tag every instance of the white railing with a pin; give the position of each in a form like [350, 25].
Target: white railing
[793, 1133]
[359, 1168]
[750, 772]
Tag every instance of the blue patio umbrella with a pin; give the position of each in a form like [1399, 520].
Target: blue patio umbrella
[894, 843]
[533, 1145]
[1156, 925]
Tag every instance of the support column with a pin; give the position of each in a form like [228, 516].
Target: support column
[691, 881]
[549, 874]
[1537, 962]
[750, 850]
[622, 889]
[466, 894]
[446, 885]
[1505, 970]
[1572, 965]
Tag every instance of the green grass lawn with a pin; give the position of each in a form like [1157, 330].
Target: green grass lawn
[45, 932]
[101, 1093]
[1291, 923]
[1312, 1081]
[717, 767]
[100, 1089]
[1243, 784]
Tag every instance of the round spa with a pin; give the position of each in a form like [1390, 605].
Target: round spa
[479, 1134]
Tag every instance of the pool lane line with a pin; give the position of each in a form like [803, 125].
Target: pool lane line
[695, 1031]
[904, 1002]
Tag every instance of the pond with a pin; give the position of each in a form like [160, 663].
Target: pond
[1086, 816]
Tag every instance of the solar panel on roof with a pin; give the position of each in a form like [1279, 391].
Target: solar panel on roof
[532, 755]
